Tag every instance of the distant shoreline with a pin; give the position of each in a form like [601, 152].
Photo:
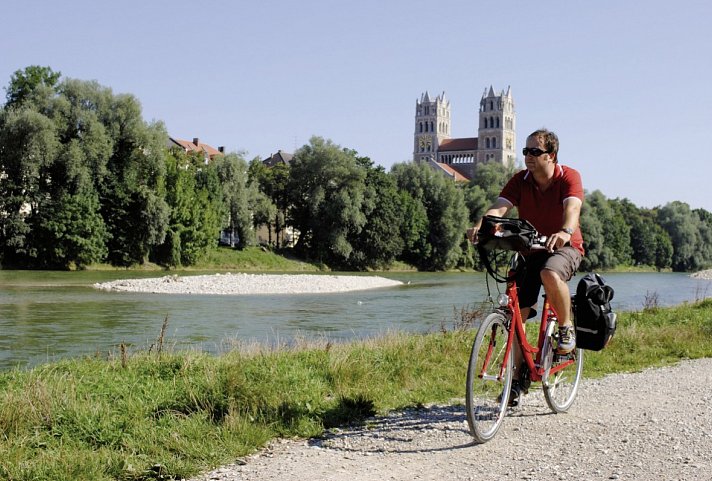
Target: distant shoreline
[248, 284]
[706, 274]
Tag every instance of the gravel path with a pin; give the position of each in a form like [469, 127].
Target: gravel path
[241, 284]
[652, 425]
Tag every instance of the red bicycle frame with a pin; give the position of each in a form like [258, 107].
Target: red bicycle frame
[532, 354]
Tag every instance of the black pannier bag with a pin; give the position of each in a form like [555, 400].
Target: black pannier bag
[595, 321]
[505, 234]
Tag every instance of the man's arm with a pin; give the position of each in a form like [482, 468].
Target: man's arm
[572, 213]
[499, 209]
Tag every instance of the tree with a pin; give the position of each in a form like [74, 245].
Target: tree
[327, 192]
[70, 232]
[687, 233]
[378, 244]
[491, 177]
[241, 198]
[605, 232]
[476, 201]
[131, 191]
[196, 210]
[414, 230]
[24, 83]
[274, 183]
[446, 212]
[28, 145]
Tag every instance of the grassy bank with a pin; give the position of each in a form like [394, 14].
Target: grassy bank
[251, 259]
[156, 415]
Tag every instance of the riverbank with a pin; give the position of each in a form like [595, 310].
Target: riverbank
[158, 414]
[249, 284]
[706, 274]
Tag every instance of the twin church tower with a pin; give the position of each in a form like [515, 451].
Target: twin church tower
[496, 133]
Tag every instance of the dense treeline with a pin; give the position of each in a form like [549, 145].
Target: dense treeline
[84, 179]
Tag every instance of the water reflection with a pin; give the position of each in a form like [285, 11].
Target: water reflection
[44, 316]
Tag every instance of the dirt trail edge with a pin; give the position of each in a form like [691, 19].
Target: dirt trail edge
[651, 425]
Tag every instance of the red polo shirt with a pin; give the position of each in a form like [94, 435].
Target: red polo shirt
[545, 210]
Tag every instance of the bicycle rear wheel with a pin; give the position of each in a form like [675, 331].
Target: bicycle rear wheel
[489, 378]
[561, 387]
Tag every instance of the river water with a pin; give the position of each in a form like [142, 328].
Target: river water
[45, 316]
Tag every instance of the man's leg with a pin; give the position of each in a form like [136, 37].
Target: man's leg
[558, 269]
[558, 295]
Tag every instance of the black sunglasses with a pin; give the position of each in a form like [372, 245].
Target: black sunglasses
[536, 152]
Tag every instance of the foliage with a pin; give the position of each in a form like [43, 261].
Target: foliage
[689, 232]
[24, 83]
[240, 198]
[446, 213]
[327, 187]
[86, 180]
[76, 154]
[194, 196]
[378, 244]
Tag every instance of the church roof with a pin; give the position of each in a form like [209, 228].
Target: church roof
[453, 145]
[452, 173]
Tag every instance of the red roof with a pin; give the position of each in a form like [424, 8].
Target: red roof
[458, 177]
[197, 146]
[453, 145]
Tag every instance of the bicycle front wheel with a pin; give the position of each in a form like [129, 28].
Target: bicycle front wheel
[562, 373]
[489, 378]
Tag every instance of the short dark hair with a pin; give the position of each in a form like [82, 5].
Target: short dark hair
[551, 141]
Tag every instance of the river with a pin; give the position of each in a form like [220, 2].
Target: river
[45, 316]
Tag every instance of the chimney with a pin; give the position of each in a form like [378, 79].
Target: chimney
[196, 141]
[221, 149]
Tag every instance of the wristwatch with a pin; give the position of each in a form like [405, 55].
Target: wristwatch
[568, 230]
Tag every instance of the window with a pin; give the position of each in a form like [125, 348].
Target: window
[494, 143]
[497, 122]
[491, 105]
[485, 122]
[421, 126]
[487, 142]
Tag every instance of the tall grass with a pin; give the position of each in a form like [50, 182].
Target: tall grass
[151, 415]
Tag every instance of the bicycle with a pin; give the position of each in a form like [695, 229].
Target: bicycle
[489, 374]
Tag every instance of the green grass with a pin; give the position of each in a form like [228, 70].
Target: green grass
[225, 258]
[145, 416]
[252, 259]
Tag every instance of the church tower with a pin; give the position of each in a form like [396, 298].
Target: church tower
[497, 125]
[432, 126]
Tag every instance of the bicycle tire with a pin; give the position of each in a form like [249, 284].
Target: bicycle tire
[487, 393]
[560, 390]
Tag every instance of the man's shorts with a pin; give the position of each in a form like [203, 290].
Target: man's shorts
[563, 261]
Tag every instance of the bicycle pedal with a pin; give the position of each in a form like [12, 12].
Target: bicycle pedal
[563, 357]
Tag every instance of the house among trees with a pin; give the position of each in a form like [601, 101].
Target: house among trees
[278, 158]
[196, 145]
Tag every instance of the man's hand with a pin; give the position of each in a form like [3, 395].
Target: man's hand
[557, 241]
[472, 234]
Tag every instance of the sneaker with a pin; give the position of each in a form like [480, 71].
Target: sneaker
[567, 339]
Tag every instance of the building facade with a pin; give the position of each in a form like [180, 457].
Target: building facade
[496, 133]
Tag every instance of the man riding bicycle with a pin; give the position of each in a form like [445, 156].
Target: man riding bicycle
[549, 196]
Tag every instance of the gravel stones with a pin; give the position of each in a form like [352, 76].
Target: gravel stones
[652, 425]
[249, 284]
[707, 274]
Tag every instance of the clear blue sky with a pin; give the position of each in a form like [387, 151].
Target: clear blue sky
[627, 85]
